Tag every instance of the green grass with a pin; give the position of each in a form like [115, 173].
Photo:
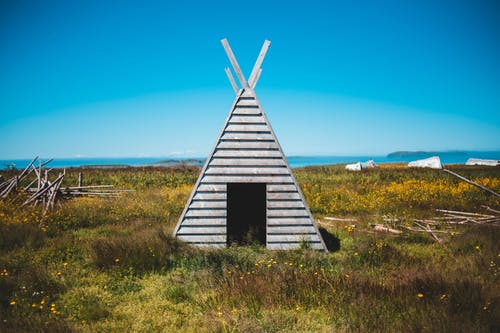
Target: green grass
[111, 265]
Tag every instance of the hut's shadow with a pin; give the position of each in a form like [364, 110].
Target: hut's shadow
[331, 241]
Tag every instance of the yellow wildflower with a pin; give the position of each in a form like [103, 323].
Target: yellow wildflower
[420, 295]
[12, 303]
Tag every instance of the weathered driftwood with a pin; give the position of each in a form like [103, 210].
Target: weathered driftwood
[383, 228]
[47, 193]
[339, 219]
[457, 212]
[428, 229]
[471, 182]
[490, 209]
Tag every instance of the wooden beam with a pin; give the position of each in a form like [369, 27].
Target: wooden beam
[254, 83]
[471, 182]
[234, 63]
[256, 68]
[231, 80]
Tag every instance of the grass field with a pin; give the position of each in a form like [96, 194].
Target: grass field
[108, 265]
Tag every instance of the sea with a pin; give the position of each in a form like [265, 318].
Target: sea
[456, 157]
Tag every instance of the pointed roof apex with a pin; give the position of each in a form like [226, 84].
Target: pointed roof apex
[256, 71]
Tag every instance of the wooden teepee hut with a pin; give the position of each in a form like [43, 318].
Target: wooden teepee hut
[246, 191]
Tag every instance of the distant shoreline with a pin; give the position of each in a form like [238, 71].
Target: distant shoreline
[451, 157]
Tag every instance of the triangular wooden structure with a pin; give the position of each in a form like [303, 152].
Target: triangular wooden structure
[247, 168]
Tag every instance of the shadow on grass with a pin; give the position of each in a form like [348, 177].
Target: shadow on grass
[331, 241]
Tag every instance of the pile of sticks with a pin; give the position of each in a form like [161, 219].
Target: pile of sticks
[45, 192]
[459, 217]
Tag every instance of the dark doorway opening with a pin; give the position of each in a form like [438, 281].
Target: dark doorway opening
[246, 213]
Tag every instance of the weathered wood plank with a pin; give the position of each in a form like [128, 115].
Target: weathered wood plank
[252, 81]
[210, 196]
[282, 196]
[247, 93]
[288, 221]
[246, 119]
[248, 136]
[292, 246]
[206, 213]
[247, 179]
[247, 153]
[247, 128]
[246, 102]
[292, 238]
[247, 170]
[287, 213]
[204, 238]
[243, 111]
[231, 80]
[204, 221]
[285, 204]
[208, 204]
[209, 230]
[247, 145]
[212, 188]
[291, 230]
[234, 63]
[281, 188]
[246, 161]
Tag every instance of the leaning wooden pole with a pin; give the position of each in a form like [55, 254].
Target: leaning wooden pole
[471, 182]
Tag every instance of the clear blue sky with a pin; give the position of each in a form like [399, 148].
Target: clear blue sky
[145, 78]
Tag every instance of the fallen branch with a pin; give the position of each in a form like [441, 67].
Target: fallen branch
[382, 228]
[429, 230]
[490, 209]
[471, 182]
[339, 219]
[457, 212]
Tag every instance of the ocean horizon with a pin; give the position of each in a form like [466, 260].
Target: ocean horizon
[458, 157]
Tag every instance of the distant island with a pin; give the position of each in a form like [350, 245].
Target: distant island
[171, 162]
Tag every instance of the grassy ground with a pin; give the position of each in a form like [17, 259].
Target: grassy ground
[111, 265]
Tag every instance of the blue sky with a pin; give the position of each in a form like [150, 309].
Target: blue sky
[145, 78]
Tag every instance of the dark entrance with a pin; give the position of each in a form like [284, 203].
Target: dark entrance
[246, 213]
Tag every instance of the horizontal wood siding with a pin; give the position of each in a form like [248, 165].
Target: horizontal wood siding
[285, 204]
[234, 153]
[291, 230]
[246, 179]
[240, 120]
[247, 145]
[247, 152]
[211, 230]
[292, 238]
[244, 111]
[209, 196]
[205, 221]
[283, 196]
[248, 136]
[247, 170]
[203, 238]
[286, 221]
[246, 161]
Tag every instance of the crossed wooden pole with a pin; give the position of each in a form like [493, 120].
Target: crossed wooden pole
[256, 71]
